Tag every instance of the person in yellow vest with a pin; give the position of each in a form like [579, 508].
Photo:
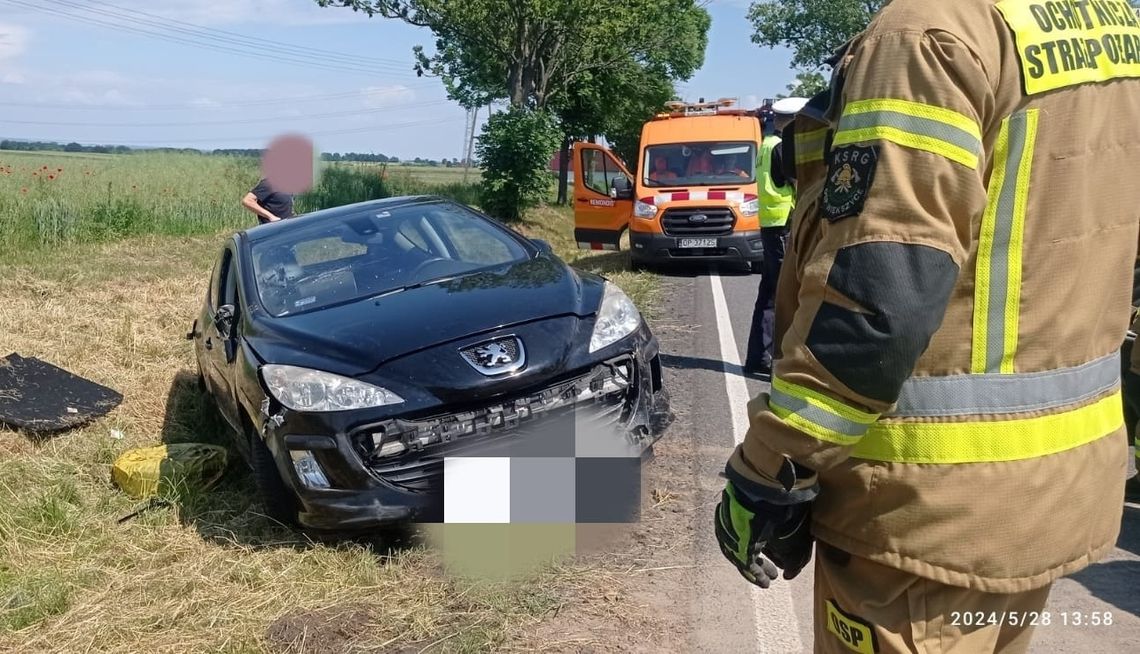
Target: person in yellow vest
[945, 416]
[777, 197]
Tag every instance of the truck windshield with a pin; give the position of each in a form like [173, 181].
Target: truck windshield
[708, 163]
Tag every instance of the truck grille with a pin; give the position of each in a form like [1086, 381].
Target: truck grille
[605, 393]
[678, 222]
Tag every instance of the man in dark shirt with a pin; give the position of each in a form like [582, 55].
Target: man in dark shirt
[269, 205]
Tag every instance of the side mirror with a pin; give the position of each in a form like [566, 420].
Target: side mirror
[542, 245]
[621, 188]
[224, 320]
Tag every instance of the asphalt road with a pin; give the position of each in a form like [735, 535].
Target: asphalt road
[704, 331]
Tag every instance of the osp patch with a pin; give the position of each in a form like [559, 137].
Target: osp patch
[850, 171]
[856, 634]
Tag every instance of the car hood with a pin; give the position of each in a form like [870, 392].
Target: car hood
[356, 338]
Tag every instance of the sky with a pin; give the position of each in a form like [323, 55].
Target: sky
[143, 73]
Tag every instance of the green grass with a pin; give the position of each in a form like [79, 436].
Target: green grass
[50, 199]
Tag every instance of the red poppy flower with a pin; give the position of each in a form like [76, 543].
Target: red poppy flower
[24, 190]
[51, 176]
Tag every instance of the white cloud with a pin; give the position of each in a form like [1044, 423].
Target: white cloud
[13, 41]
[378, 97]
[205, 103]
[11, 78]
[106, 98]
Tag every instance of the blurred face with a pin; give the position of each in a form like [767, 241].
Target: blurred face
[288, 164]
[659, 164]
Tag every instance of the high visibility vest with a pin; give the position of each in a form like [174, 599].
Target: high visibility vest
[776, 202]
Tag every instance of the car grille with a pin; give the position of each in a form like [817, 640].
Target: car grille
[718, 221]
[605, 393]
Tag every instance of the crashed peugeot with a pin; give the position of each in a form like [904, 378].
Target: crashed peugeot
[352, 349]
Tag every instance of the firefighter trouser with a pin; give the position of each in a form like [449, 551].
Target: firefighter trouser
[760, 336]
[862, 606]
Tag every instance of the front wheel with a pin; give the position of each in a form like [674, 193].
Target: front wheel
[279, 502]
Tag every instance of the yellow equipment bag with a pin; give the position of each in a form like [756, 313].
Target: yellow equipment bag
[152, 471]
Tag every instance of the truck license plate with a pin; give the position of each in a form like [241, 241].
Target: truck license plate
[698, 243]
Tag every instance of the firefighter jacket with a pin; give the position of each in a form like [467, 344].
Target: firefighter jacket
[775, 201]
[956, 291]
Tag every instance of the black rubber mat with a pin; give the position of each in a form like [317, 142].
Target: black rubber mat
[38, 397]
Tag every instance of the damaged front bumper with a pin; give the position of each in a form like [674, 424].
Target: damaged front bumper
[380, 471]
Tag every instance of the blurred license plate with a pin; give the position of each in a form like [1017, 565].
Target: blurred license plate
[697, 243]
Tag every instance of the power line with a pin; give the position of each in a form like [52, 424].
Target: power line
[241, 42]
[259, 42]
[241, 121]
[224, 104]
[233, 50]
[307, 50]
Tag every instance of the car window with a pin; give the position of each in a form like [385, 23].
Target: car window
[707, 163]
[227, 284]
[221, 279]
[599, 170]
[349, 257]
[215, 278]
[324, 250]
[475, 241]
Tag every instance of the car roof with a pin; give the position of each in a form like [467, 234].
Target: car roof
[267, 230]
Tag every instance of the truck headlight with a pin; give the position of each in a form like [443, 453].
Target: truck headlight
[302, 389]
[750, 207]
[644, 209]
[617, 318]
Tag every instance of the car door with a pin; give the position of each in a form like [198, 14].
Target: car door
[603, 197]
[220, 342]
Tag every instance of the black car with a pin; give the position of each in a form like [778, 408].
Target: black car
[352, 348]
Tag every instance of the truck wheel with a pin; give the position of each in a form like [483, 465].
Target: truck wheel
[756, 267]
[277, 499]
[637, 265]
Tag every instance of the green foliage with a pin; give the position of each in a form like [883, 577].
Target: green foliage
[513, 151]
[813, 29]
[531, 52]
[807, 84]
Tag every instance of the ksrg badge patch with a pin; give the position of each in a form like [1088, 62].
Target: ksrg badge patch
[856, 634]
[849, 176]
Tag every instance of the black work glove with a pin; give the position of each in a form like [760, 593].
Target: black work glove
[754, 521]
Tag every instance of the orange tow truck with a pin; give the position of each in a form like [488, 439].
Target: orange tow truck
[694, 194]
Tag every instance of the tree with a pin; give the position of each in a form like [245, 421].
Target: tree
[529, 52]
[513, 149]
[616, 102]
[813, 29]
[806, 85]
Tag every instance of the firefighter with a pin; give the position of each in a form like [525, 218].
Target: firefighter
[777, 196]
[945, 417]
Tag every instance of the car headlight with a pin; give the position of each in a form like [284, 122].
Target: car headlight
[750, 207]
[644, 209]
[301, 389]
[617, 318]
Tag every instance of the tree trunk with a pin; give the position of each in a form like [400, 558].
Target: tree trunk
[563, 170]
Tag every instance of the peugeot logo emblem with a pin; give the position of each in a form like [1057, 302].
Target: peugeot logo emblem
[496, 357]
[698, 218]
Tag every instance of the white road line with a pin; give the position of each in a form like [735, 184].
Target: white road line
[777, 628]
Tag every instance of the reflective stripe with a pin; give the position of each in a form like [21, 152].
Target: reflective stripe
[998, 394]
[818, 415]
[997, 290]
[1000, 440]
[914, 125]
[809, 146]
[701, 196]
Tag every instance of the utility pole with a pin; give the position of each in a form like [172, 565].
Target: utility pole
[469, 140]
